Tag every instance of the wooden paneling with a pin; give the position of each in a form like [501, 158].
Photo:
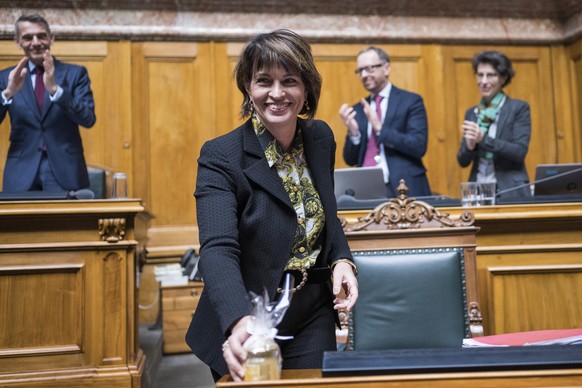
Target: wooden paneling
[68, 313]
[522, 254]
[10, 54]
[524, 297]
[525, 253]
[573, 133]
[226, 86]
[158, 102]
[170, 114]
[31, 295]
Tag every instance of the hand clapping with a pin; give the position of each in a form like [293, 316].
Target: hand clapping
[472, 134]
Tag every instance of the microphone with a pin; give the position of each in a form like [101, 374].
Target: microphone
[548, 178]
[81, 194]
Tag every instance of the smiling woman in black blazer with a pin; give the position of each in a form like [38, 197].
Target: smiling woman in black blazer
[265, 205]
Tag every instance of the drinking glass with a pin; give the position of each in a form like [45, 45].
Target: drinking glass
[469, 194]
[119, 186]
[487, 193]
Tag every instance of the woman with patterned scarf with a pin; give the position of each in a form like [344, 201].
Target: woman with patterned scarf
[497, 131]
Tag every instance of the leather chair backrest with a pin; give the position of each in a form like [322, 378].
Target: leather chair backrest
[97, 182]
[409, 298]
[100, 180]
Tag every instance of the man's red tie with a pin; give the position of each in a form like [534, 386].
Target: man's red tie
[373, 149]
[39, 87]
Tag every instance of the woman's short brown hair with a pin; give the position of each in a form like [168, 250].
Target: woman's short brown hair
[279, 48]
[499, 61]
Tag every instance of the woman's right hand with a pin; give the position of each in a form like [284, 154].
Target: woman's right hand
[472, 134]
[233, 351]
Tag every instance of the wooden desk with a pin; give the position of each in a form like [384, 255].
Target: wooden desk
[529, 265]
[68, 314]
[178, 306]
[311, 378]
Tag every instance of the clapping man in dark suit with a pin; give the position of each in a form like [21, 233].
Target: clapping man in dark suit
[46, 100]
[388, 128]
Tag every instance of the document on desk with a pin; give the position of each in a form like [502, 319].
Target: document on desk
[528, 338]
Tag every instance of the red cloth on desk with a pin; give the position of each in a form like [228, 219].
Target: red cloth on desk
[537, 337]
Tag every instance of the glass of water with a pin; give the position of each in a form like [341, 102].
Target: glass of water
[469, 194]
[119, 186]
[487, 193]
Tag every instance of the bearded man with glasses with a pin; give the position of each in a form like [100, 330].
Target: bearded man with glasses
[388, 128]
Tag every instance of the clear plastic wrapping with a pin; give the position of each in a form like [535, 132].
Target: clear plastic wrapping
[264, 355]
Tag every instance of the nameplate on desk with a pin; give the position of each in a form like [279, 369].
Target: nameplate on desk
[385, 362]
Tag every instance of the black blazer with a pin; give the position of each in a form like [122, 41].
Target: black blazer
[509, 147]
[404, 135]
[57, 127]
[247, 225]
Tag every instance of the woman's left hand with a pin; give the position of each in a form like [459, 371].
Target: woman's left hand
[344, 278]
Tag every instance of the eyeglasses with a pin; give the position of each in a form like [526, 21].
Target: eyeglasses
[369, 69]
[481, 76]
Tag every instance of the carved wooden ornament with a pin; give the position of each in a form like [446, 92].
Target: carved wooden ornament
[112, 230]
[403, 212]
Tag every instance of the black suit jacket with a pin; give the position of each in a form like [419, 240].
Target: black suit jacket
[57, 127]
[509, 147]
[247, 225]
[404, 135]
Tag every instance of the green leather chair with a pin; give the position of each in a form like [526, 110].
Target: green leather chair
[409, 298]
[100, 180]
[417, 282]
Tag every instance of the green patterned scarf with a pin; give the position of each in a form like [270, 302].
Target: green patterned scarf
[486, 116]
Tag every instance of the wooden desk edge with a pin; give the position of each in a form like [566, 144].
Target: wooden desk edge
[313, 378]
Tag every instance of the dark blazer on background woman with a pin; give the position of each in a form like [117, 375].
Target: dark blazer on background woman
[258, 222]
[509, 147]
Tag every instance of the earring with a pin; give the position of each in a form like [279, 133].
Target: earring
[251, 106]
[307, 108]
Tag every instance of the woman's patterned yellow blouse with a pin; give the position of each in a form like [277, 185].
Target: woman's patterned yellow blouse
[294, 172]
